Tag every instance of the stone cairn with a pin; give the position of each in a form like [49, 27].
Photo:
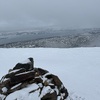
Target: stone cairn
[25, 74]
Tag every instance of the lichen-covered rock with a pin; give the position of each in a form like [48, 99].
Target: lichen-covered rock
[24, 75]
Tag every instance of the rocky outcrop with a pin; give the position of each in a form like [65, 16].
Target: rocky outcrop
[25, 74]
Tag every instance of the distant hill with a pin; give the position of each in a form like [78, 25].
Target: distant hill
[51, 38]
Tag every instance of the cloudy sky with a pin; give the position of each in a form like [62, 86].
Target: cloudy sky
[27, 14]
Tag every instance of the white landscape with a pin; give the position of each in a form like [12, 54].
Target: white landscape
[77, 68]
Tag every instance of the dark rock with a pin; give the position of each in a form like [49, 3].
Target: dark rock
[63, 90]
[27, 65]
[50, 96]
[22, 77]
[42, 71]
[38, 80]
[56, 81]
[13, 72]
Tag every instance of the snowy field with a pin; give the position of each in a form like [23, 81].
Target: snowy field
[78, 68]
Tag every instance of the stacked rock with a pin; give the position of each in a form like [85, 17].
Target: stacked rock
[24, 74]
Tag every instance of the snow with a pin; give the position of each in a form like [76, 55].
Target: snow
[4, 89]
[13, 71]
[16, 86]
[46, 90]
[2, 97]
[24, 73]
[24, 94]
[78, 69]
[25, 61]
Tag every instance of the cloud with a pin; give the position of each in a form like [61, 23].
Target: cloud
[21, 14]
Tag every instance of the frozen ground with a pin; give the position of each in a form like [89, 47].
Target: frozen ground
[78, 69]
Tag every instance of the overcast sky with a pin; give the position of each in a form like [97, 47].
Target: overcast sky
[27, 14]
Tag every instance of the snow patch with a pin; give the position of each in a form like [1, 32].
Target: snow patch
[4, 89]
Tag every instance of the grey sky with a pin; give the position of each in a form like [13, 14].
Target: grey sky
[25, 14]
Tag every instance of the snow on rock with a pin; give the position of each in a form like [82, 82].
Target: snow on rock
[2, 97]
[15, 86]
[23, 94]
[4, 89]
[46, 89]
[25, 61]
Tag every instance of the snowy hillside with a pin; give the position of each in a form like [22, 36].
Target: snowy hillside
[51, 38]
[78, 69]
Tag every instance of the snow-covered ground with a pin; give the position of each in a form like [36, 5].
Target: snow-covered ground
[78, 68]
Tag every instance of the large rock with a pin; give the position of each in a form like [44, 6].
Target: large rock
[28, 64]
[24, 75]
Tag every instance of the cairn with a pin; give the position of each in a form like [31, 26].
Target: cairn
[25, 74]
